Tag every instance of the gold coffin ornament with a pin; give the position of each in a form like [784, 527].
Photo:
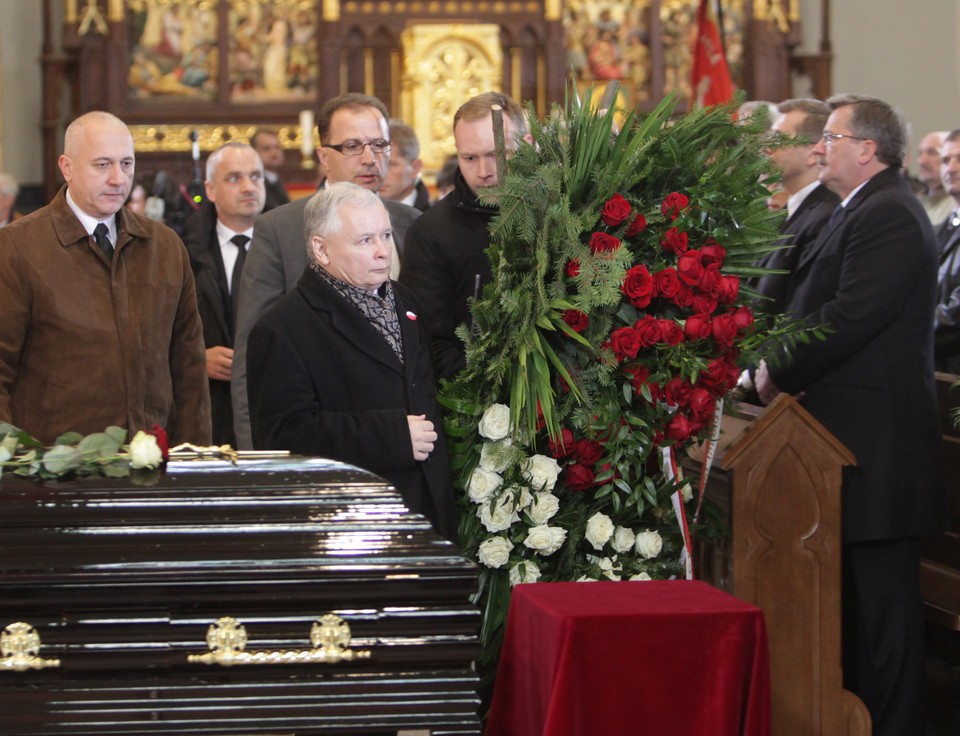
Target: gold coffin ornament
[227, 641]
[20, 647]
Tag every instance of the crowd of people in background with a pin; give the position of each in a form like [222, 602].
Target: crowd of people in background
[322, 325]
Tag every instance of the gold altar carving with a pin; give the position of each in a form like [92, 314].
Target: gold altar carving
[176, 138]
[329, 635]
[445, 66]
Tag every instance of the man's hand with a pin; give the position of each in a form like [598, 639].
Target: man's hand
[765, 388]
[422, 436]
[219, 362]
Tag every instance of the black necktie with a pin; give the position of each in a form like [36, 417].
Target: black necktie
[836, 215]
[241, 242]
[101, 235]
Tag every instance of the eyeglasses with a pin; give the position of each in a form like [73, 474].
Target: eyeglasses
[829, 138]
[355, 148]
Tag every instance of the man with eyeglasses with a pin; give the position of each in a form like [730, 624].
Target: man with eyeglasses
[870, 278]
[218, 244]
[354, 147]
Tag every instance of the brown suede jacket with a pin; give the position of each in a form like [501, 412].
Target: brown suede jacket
[86, 343]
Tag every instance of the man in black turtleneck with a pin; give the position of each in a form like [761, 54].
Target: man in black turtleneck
[444, 260]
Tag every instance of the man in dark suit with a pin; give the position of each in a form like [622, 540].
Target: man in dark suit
[809, 203]
[403, 182]
[947, 316]
[340, 367]
[266, 143]
[355, 147]
[870, 278]
[218, 248]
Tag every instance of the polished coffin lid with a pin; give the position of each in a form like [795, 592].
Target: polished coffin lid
[122, 582]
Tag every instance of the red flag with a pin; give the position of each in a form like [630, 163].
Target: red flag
[710, 77]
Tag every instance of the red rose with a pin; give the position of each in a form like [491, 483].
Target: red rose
[713, 254]
[678, 428]
[588, 452]
[729, 289]
[573, 267]
[670, 332]
[160, 434]
[562, 446]
[724, 329]
[638, 286]
[579, 477]
[684, 297]
[690, 268]
[720, 376]
[666, 283]
[615, 210]
[674, 241]
[637, 226]
[743, 318]
[577, 320]
[603, 243]
[625, 343]
[676, 391]
[637, 373]
[648, 331]
[703, 303]
[700, 404]
[709, 282]
[697, 326]
[674, 204]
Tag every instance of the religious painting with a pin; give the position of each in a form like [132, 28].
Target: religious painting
[614, 40]
[273, 53]
[173, 49]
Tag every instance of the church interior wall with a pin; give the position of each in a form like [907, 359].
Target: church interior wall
[906, 53]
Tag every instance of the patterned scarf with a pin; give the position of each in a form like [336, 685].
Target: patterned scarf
[380, 308]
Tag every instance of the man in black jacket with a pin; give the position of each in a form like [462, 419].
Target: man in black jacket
[218, 243]
[444, 261]
[871, 279]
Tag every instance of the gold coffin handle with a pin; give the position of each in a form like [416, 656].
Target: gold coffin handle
[227, 641]
[20, 647]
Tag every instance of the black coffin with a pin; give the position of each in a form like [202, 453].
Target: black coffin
[121, 583]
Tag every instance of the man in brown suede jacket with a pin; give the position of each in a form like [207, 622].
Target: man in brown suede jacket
[100, 324]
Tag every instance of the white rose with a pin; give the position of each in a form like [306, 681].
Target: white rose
[495, 552]
[584, 579]
[544, 507]
[686, 493]
[5, 454]
[649, 544]
[524, 571]
[499, 515]
[540, 472]
[599, 530]
[608, 570]
[623, 539]
[526, 498]
[482, 485]
[497, 456]
[641, 576]
[144, 451]
[545, 540]
[495, 422]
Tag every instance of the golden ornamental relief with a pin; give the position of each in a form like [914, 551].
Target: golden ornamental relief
[176, 138]
[446, 65]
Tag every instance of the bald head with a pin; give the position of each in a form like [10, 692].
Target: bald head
[98, 163]
[928, 160]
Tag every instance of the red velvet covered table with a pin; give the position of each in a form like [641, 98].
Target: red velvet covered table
[666, 658]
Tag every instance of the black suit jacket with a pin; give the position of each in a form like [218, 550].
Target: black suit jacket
[870, 277]
[276, 194]
[216, 314]
[323, 381]
[947, 316]
[800, 231]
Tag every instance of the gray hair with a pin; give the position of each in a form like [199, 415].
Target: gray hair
[322, 214]
[403, 139]
[878, 121]
[8, 186]
[213, 160]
